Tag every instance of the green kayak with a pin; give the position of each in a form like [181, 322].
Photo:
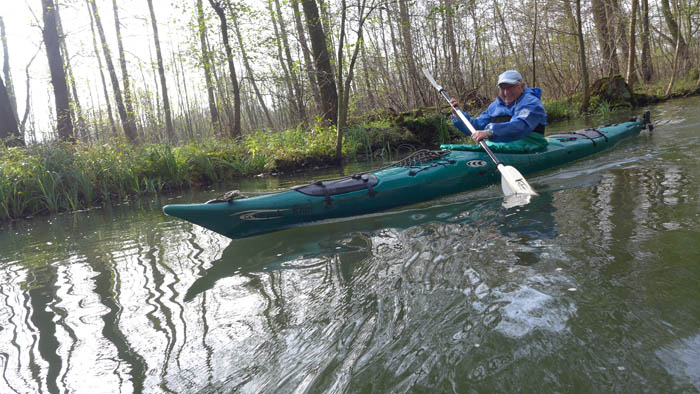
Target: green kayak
[422, 176]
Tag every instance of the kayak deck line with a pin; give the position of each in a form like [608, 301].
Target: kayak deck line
[421, 176]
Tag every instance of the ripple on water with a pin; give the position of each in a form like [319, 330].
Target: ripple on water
[680, 359]
[529, 309]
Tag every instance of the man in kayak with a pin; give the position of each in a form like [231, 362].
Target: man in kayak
[517, 114]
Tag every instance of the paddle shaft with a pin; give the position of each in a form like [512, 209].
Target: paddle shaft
[469, 125]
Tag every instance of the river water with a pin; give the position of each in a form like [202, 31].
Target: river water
[592, 287]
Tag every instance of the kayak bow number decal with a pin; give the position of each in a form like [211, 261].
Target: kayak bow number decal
[260, 214]
[476, 163]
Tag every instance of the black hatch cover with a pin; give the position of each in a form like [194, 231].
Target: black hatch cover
[338, 186]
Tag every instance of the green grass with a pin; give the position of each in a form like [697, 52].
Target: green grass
[57, 177]
[560, 109]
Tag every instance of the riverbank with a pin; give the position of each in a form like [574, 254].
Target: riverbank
[59, 177]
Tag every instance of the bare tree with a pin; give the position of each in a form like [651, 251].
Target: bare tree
[454, 68]
[251, 75]
[64, 125]
[611, 65]
[308, 64]
[344, 86]
[161, 72]
[131, 131]
[632, 41]
[408, 51]
[27, 105]
[110, 116]
[287, 79]
[6, 69]
[206, 64]
[676, 35]
[324, 72]
[647, 67]
[8, 121]
[293, 75]
[236, 127]
[79, 118]
[582, 56]
[127, 125]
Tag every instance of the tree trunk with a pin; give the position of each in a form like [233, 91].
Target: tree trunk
[236, 126]
[181, 84]
[224, 99]
[632, 41]
[287, 79]
[678, 40]
[324, 72]
[161, 72]
[621, 31]
[368, 85]
[129, 131]
[582, 57]
[384, 63]
[397, 60]
[534, 41]
[28, 96]
[9, 85]
[206, 62]
[674, 66]
[344, 86]
[647, 67]
[112, 125]
[58, 75]
[342, 104]
[8, 120]
[478, 50]
[408, 52]
[611, 65]
[155, 110]
[323, 7]
[308, 64]
[249, 70]
[298, 93]
[81, 129]
[455, 73]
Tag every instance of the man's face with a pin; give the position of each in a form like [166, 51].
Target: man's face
[509, 93]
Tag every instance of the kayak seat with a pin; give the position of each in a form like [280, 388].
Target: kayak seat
[589, 134]
[339, 186]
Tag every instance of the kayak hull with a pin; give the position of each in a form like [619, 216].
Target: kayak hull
[452, 172]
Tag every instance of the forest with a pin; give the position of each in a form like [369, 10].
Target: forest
[230, 88]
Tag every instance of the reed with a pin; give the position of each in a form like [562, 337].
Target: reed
[55, 177]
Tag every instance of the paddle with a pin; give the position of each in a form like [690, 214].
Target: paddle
[512, 181]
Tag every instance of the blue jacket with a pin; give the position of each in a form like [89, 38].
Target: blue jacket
[526, 113]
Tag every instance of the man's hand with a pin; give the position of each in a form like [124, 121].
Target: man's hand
[454, 103]
[480, 135]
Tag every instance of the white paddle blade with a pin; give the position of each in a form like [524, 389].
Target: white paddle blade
[431, 79]
[513, 182]
[516, 200]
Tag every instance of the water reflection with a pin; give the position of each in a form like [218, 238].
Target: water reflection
[350, 240]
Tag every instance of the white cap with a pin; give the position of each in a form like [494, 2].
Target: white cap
[510, 77]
